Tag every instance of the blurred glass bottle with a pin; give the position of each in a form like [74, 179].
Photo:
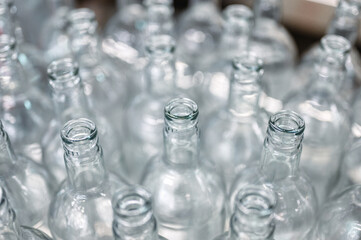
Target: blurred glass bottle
[253, 216]
[104, 85]
[82, 209]
[279, 169]
[25, 111]
[198, 33]
[233, 137]
[28, 185]
[238, 24]
[133, 215]
[275, 46]
[340, 218]
[189, 200]
[144, 115]
[70, 102]
[326, 115]
[10, 228]
[345, 23]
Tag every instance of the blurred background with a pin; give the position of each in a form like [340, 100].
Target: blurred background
[306, 20]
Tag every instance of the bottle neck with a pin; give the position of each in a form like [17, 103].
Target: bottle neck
[195, 2]
[133, 215]
[282, 146]
[253, 217]
[125, 3]
[159, 18]
[7, 155]
[83, 155]
[268, 9]
[181, 133]
[8, 223]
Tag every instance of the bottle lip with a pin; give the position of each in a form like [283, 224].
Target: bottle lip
[238, 12]
[7, 45]
[78, 131]
[180, 109]
[63, 73]
[335, 44]
[287, 122]
[160, 45]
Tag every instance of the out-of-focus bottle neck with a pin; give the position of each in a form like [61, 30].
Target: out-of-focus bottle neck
[268, 9]
[245, 88]
[125, 3]
[282, 146]
[181, 133]
[8, 223]
[253, 217]
[195, 2]
[7, 155]
[82, 155]
[133, 215]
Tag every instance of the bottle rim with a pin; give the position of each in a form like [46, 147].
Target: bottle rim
[287, 121]
[78, 130]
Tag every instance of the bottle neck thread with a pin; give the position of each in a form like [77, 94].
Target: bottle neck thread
[82, 154]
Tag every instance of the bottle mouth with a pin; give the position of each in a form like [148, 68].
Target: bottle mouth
[133, 205]
[288, 122]
[335, 45]
[181, 113]
[63, 73]
[82, 20]
[238, 13]
[79, 131]
[160, 45]
[7, 45]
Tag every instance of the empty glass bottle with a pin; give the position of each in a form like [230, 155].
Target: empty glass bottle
[105, 86]
[144, 116]
[133, 215]
[340, 218]
[326, 115]
[189, 201]
[238, 24]
[9, 226]
[279, 169]
[81, 209]
[70, 102]
[275, 46]
[253, 217]
[28, 185]
[233, 137]
[24, 110]
[198, 33]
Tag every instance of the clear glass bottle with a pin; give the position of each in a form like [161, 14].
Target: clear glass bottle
[25, 111]
[275, 46]
[326, 116]
[340, 218]
[133, 215]
[238, 24]
[9, 225]
[345, 23]
[28, 185]
[105, 86]
[81, 209]
[189, 200]
[144, 115]
[233, 137]
[253, 216]
[70, 102]
[279, 169]
[198, 34]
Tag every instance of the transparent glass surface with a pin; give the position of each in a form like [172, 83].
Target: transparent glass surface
[82, 209]
[198, 34]
[188, 195]
[278, 169]
[326, 115]
[70, 102]
[340, 218]
[233, 137]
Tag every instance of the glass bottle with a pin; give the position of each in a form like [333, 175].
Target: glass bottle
[340, 218]
[345, 23]
[278, 169]
[70, 102]
[189, 200]
[105, 86]
[24, 109]
[133, 215]
[198, 34]
[9, 225]
[326, 115]
[253, 217]
[275, 46]
[233, 137]
[238, 24]
[81, 209]
[28, 185]
[144, 115]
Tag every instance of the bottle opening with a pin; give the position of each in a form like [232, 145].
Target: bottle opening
[63, 73]
[287, 122]
[238, 13]
[82, 20]
[160, 45]
[7, 45]
[78, 131]
[181, 113]
[335, 45]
